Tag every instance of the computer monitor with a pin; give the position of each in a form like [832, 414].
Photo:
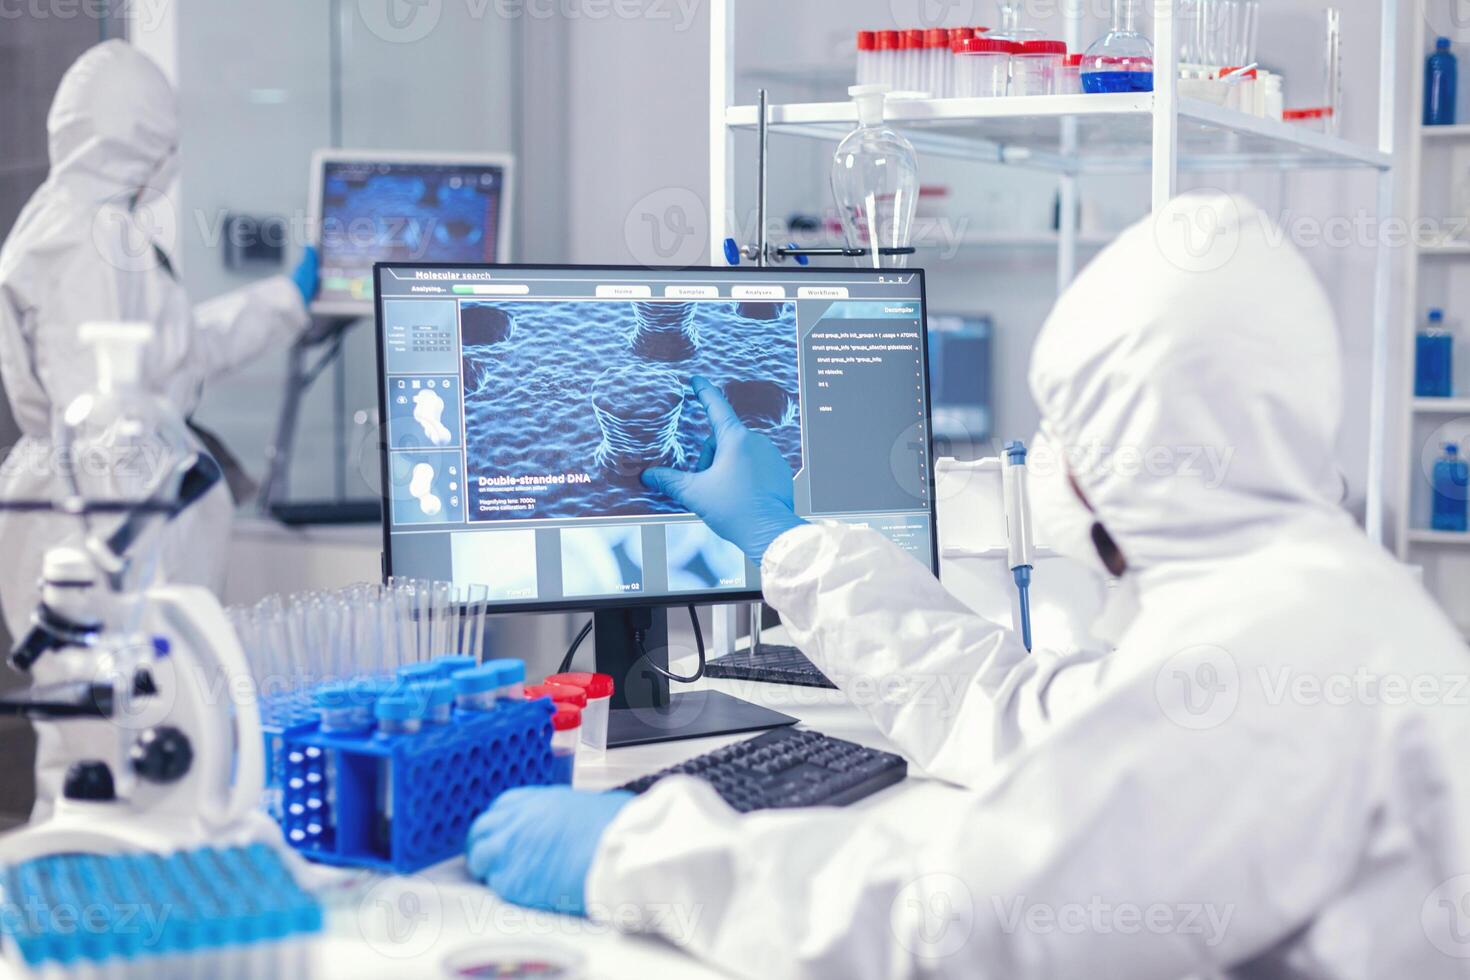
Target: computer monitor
[522, 403]
[370, 206]
[959, 366]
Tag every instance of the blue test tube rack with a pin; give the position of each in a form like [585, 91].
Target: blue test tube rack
[439, 779]
[282, 715]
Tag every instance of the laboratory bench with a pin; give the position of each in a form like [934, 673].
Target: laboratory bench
[407, 926]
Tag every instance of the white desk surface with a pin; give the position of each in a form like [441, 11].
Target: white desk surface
[406, 926]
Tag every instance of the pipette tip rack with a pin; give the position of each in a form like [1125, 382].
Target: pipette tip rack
[216, 909]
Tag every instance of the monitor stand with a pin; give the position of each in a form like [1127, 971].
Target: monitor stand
[643, 710]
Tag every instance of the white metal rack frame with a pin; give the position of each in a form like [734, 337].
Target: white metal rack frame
[1427, 140]
[1155, 134]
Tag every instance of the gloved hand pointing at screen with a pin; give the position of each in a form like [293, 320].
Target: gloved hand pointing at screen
[741, 486]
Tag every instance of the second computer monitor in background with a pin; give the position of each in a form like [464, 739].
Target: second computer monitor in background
[387, 206]
[523, 402]
[959, 369]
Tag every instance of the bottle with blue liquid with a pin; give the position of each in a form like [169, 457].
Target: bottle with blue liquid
[1434, 359]
[1451, 490]
[1122, 60]
[1441, 78]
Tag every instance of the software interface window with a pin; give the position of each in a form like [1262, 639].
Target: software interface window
[523, 404]
[375, 211]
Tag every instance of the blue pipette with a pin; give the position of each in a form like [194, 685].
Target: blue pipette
[1018, 530]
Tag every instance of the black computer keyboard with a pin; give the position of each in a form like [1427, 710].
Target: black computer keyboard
[771, 664]
[788, 768]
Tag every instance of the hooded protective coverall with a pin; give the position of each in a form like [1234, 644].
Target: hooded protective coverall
[83, 249]
[1265, 777]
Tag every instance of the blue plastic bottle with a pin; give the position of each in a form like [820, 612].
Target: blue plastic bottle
[1441, 76]
[1434, 359]
[1451, 483]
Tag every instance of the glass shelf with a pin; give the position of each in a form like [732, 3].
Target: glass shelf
[1079, 134]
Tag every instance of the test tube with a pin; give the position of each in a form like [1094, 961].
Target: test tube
[400, 711]
[453, 664]
[889, 50]
[566, 734]
[867, 47]
[913, 45]
[414, 673]
[438, 695]
[476, 689]
[476, 600]
[935, 57]
[445, 620]
[511, 675]
[343, 708]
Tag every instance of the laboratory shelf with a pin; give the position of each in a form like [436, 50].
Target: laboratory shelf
[1426, 536]
[1078, 134]
[1459, 132]
[1442, 406]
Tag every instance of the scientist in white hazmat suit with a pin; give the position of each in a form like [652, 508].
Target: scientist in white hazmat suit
[87, 247]
[1266, 776]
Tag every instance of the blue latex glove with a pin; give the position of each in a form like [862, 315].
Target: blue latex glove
[535, 844]
[741, 486]
[306, 275]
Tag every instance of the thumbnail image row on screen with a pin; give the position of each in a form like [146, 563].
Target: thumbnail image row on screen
[596, 561]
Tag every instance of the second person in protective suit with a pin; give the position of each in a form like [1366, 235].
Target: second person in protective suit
[83, 249]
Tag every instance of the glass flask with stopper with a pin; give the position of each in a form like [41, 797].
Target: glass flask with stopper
[875, 183]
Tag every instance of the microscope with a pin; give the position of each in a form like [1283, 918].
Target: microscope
[144, 705]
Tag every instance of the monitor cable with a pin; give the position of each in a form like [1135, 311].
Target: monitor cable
[664, 671]
[566, 663]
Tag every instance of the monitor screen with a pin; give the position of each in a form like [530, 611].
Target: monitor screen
[371, 209]
[523, 402]
[959, 368]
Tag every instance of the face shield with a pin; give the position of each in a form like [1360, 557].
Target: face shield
[1063, 519]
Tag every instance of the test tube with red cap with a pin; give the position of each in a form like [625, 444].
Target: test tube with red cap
[912, 78]
[566, 734]
[886, 62]
[867, 51]
[934, 57]
[599, 689]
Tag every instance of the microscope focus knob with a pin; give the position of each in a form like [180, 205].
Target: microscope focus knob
[162, 755]
[89, 780]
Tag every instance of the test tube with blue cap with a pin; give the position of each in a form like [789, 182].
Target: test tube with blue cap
[438, 695]
[1019, 548]
[400, 711]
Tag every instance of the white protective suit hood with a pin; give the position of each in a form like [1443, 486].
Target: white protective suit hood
[113, 126]
[1188, 446]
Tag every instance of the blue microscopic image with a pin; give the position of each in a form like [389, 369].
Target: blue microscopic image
[601, 560]
[699, 559]
[502, 561]
[566, 403]
[433, 215]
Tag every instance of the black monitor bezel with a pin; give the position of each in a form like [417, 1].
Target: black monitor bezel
[576, 604]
